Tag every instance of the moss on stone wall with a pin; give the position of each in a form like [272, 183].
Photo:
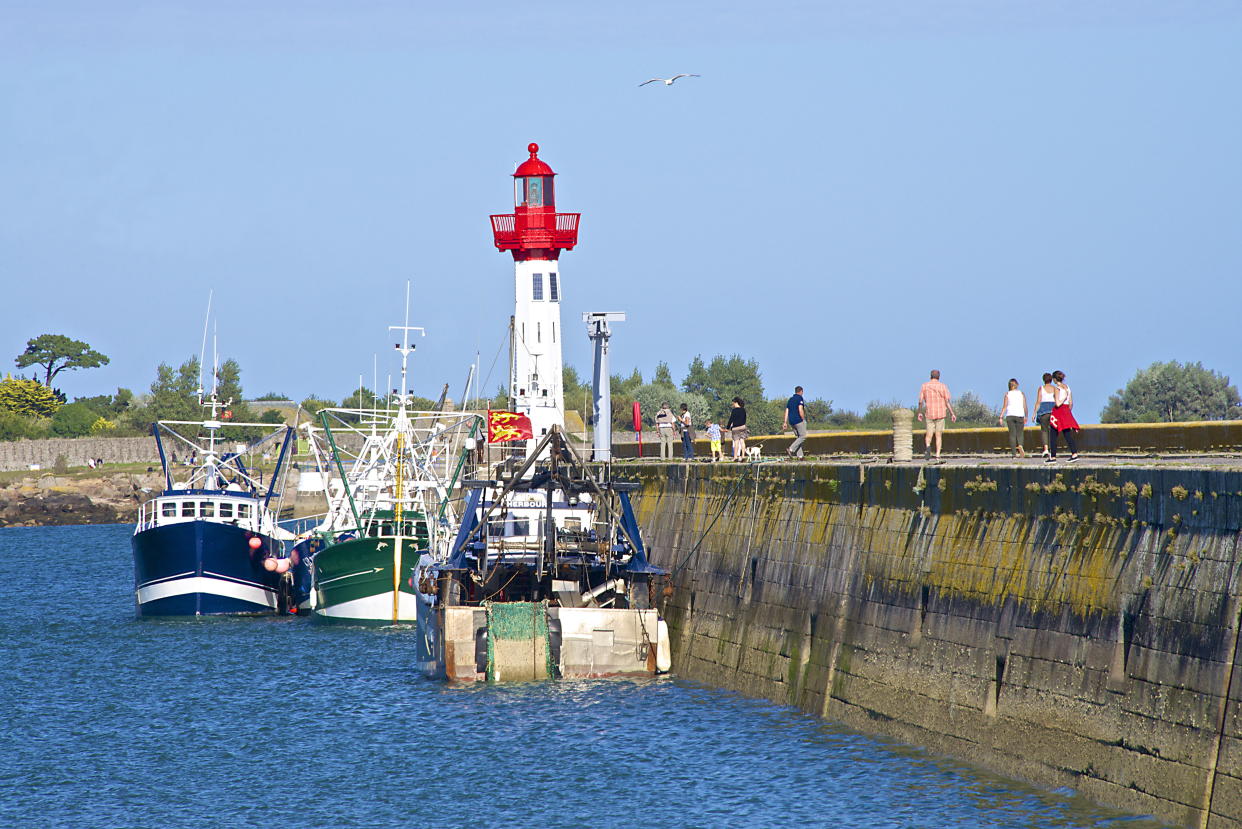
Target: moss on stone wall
[1074, 627]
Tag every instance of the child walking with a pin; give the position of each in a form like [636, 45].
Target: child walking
[713, 434]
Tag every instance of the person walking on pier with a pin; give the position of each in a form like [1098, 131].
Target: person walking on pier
[666, 424]
[687, 433]
[1014, 414]
[935, 402]
[795, 419]
[1061, 419]
[737, 428]
[1045, 401]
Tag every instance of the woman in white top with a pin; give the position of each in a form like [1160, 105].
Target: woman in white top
[1045, 402]
[1064, 397]
[1014, 415]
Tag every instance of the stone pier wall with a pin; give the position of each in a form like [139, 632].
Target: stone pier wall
[20, 454]
[1072, 627]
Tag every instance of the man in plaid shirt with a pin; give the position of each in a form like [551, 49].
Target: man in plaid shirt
[934, 402]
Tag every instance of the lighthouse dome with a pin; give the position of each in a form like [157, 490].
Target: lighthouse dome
[533, 166]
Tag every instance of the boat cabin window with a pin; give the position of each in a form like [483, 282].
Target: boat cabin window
[506, 528]
[168, 509]
[243, 510]
[187, 509]
[226, 509]
[206, 509]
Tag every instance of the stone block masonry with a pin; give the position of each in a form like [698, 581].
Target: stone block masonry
[1070, 626]
[20, 454]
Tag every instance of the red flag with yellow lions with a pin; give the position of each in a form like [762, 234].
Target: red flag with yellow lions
[503, 426]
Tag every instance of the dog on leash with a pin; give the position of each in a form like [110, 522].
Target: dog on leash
[753, 453]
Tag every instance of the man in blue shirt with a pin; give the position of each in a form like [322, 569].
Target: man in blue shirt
[795, 418]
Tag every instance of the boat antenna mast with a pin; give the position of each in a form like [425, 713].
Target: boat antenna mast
[212, 401]
[405, 348]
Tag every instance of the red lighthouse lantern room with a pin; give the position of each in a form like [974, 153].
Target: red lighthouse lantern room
[534, 230]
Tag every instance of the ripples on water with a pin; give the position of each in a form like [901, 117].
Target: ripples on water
[116, 722]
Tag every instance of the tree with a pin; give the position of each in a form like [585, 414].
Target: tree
[724, 379]
[103, 426]
[663, 377]
[696, 380]
[109, 405]
[73, 421]
[764, 417]
[362, 398]
[578, 395]
[56, 353]
[313, 403]
[14, 426]
[844, 419]
[1173, 391]
[971, 411]
[174, 393]
[650, 397]
[229, 390]
[818, 411]
[879, 414]
[27, 397]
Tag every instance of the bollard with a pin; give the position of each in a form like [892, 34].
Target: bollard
[903, 435]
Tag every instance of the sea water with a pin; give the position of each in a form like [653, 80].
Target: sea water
[112, 721]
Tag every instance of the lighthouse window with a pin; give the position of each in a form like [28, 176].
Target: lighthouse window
[553, 293]
[534, 191]
[553, 332]
[539, 332]
[537, 286]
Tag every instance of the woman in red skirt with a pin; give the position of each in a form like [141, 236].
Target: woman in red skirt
[1062, 419]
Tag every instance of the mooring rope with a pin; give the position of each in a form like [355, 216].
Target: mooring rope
[693, 550]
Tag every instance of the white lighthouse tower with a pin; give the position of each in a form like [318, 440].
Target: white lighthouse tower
[536, 234]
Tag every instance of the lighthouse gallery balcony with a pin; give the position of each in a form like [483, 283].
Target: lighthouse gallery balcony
[548, 230]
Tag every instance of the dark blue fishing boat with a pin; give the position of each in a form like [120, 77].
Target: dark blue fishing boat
[210, 544]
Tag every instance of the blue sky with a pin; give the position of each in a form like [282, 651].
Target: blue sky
[852, 193]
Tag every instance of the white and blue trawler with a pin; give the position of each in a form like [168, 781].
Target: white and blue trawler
[209, 544]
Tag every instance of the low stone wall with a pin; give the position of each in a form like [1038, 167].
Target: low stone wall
[20, 454]
[1072, 627]
[1137, 438]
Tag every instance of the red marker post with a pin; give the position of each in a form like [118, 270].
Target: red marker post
[638, 426]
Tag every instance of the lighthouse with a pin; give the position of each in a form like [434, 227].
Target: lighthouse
[536, 234]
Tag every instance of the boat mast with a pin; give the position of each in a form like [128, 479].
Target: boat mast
[401, 425]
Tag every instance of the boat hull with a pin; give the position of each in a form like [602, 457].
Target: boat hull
[524, 641]
[355, 581]
[202, 568]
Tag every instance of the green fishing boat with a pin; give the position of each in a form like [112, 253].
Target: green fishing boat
[391, 473]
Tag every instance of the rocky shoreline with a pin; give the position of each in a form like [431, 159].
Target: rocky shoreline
[44, 500]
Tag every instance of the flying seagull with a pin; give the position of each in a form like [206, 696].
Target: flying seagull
[669, 81]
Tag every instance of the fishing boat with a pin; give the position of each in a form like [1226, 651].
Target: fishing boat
[547, 575]
[209, 544]
[390, 510]
[547, 578]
